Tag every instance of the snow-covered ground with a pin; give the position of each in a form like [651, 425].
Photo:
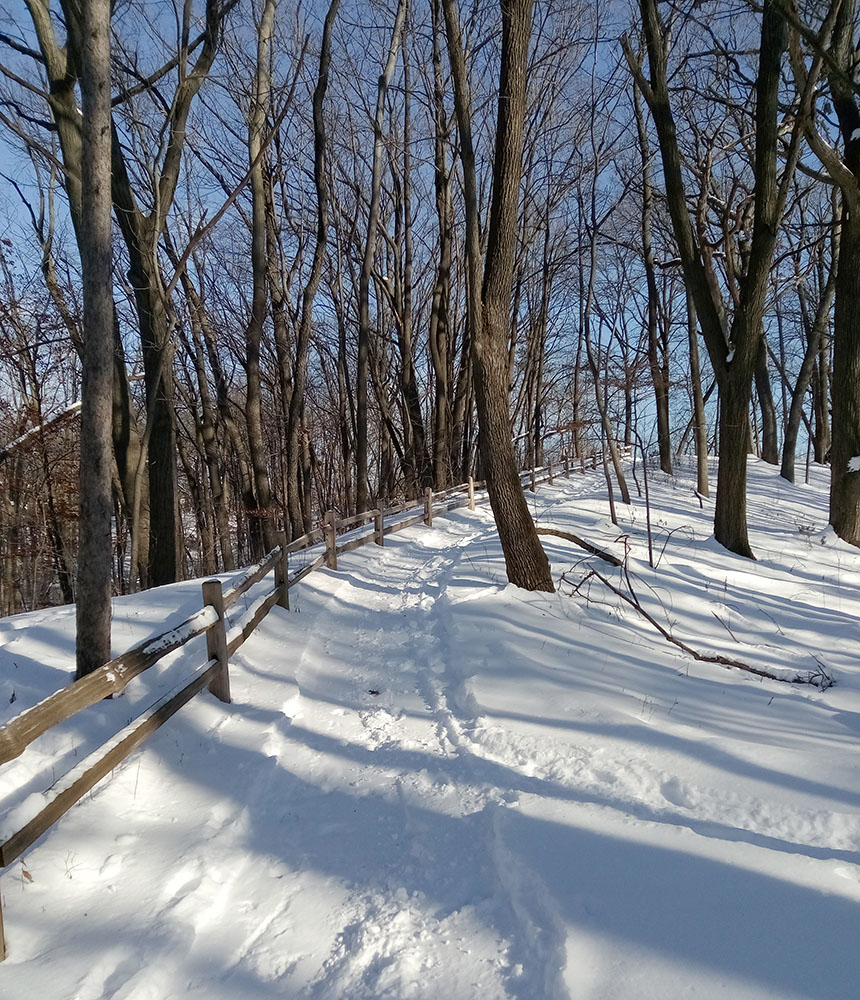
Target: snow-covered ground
[433, 785]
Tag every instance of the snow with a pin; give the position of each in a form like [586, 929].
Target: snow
[433, 785]
[854, 463]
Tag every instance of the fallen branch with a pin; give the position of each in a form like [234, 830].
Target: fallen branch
[583, 544]
[819, 678]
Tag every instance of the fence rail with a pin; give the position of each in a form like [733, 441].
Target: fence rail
[221, 643]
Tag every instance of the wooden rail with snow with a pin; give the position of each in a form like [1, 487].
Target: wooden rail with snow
[221, 643]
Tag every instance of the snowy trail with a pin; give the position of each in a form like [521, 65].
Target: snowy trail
[432, 785]
[450, 915]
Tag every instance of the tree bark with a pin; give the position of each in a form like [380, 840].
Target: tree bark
[845, 394]
[94, 551]
[263, 513]
[845, 384]
[489, 303]
[814, 336]
[658, 366]
[362, 482]
[769, 438]
[700, 426]
[439, 331]
[296, 445]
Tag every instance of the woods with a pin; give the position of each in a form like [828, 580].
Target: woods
[359, 250]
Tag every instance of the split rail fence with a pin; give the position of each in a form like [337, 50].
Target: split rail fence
[221, 643]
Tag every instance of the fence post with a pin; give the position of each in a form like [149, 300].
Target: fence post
[216, 640]
[471, 493]
[379, 526]
[330, 539]
[282, 574]
[549, 470]
[567, 466]
[2, 935]
[428, 506]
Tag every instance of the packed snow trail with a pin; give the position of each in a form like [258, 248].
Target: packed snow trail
[433, 785]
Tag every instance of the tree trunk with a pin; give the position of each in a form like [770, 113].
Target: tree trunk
[296, 446]
[700, 425]
[263, 514]
[821, 404]
[845, 449]
[814, 335]
[489, 305]
[769, 437]
[729, 530]
[94, 551]
[439, 332]
[362, 483]
[656, 364]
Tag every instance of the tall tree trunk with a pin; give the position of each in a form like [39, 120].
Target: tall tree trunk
[439, 332]
[127, 447]
[94, 548]
[296, 445]
[419, 455]
[815, 330]
[821, 404]
[489, 303]
[769, 438]
[845, 448]
[845, 385]
[362, 482]
[700, 426]
[263, 514]
[657, 365]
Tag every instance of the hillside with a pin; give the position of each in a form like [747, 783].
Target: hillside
[433, 785]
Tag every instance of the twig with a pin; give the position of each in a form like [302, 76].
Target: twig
[725, 626]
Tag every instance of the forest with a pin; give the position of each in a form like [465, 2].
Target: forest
[362, 248]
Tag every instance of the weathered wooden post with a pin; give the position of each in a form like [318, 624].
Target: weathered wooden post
[379, 526]
[216, 640]
[549, 471]
[330, 529]
[471, 493]
[428, 506]
[567, 466]
[282, 574]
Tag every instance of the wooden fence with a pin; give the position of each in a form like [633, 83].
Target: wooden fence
[221, 643]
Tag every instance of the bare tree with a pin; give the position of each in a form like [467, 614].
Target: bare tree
[734, 349]
[835, 42]
[489, 300]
